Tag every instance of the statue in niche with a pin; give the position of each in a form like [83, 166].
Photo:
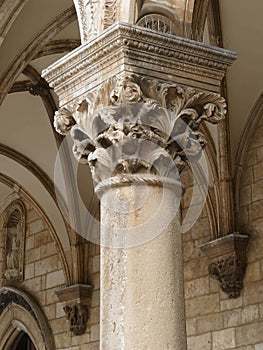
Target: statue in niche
[12, 258]
[13, 245]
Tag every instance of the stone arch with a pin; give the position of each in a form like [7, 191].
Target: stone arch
[199, 19]
[252, 126]
[211, 205]
[22, 340]
[18, 312]
[12, 72]
[9, 10]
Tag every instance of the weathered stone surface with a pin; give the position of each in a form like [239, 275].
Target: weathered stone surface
[201, 342]
[224, 339]
[247, 335]
[203, 305]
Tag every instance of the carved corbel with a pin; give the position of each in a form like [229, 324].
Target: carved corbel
[76, 303]
[227, 262]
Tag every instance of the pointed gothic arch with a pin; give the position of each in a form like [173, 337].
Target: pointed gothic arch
[18, 312]
[255, 117]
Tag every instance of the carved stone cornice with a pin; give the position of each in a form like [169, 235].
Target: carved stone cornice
[145, 127]
[120, 48]
[76, 303]
[227, 262]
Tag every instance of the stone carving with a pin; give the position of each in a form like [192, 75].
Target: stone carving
[39, 89]
[75, 301]
[9, 297]
[83, 19]
[177, 57]
[77, 315]
[15, 228]
[227, 261]
[91, 7]
[158, 23]
[63, 121]
[148, 127]
[110, 12]
[230, 274]
[12, 258]
[87, 13]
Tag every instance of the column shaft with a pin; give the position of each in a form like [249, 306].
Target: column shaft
[142, 299]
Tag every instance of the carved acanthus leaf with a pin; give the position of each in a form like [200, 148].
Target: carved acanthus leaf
[144, 115]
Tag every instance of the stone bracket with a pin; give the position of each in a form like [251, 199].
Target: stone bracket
[227, 262]
[75, 301]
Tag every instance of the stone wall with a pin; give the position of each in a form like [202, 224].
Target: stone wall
[44, 274]
[215, 322]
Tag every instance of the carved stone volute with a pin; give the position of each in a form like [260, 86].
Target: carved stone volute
[147, 127]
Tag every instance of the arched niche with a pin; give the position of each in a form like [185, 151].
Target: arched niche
[14, 229]
[19, 313]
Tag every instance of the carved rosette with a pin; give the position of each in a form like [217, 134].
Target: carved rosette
[139, 126]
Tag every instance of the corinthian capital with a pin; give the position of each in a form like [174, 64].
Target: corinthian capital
[134, 125]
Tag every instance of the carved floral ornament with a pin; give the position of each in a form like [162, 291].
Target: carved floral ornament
[139, 126]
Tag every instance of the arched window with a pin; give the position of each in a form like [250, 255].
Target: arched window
[23, 342]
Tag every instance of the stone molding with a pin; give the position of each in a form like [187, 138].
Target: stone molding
[75, 301]
[227, 262]
[110, 13]
[122, 46]
[148, 127]
[13, 298]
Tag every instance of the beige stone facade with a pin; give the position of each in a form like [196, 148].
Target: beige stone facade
[131, 175]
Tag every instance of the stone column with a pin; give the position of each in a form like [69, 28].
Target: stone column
[136, 148]
[142, 299]
[136, 127]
